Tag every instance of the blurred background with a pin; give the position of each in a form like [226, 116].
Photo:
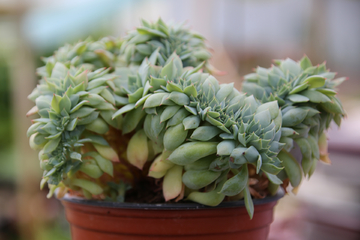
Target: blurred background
[243, 34]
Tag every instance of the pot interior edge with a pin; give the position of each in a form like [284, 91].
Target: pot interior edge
[169, 206]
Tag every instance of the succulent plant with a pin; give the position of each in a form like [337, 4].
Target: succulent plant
[164, 40]
[204, 129]
[307, 97]
[88, 54]
[75, 108]
[151, 38]
[146, 100]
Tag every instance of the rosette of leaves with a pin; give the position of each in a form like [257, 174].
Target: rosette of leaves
[164, 40]
[88, 54]
[308, 101]
[75, 108]
[207, 133]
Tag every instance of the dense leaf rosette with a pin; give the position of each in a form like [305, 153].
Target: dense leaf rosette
[88, 54]
[164, 40]
[75, 108]
[204, 129]
[205, 140]
[308, 103]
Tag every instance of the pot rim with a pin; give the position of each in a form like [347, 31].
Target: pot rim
[169, 206]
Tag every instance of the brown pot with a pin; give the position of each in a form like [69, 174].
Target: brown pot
[92, 220]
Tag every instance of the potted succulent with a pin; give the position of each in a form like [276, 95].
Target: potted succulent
[140, 141]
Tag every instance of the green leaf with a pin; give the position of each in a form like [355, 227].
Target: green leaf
[88, 185]
[50, 128]
[191, 122]
[196, 179]
[107, 116]
[306, 164]
[104, 164]
[108, 96]
[237, 155]
[80, 104]
[213, 121]
[264, 118]
[169, 71]
[169, 112]
[179, 98]
[258, 164]
[88, 119]
[315, 96]
[292, 168]
[75, 156]
[237, 183]
[190, 91]
[96, 83]
[174, 137]
[251, 154]
[120, 101]
[201, 164]
[39, 139]
[134, 156]
[134, 97]
[51, 172]
[146, 30]
[144, 49]
[315, 81]
[51, 145]
[154, 100]
[271, 168]
[132, 119]
[288, 132]
[293, 117]
[98, 126]
[56, 135]
[333, 107]
[273, 178]
[299, 88]
[248, 202]
[91, 169]
[93, 99]
[33, 128]
[190, 152]
[172, 183]
[305, 63]
[178, 117]
[191, 110]
[305, 147]
[125, 109]
[82, 112]
[205, 133]
[314, 146]
[291, 66]
[173, 87]
[273, 108]
[81, 78]
[225, 147]
[327, 91]
[55, 103]
[156, 83]
[211, 198]
[225, 90]
[297, 98]
[59, 71]
[104, 106]
[202, 54]
[94, 139]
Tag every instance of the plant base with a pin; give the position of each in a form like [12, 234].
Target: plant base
[92, 220]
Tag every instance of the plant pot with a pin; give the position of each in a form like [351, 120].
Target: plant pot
[92, 220]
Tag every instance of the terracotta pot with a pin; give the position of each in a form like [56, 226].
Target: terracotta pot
[92, 220]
